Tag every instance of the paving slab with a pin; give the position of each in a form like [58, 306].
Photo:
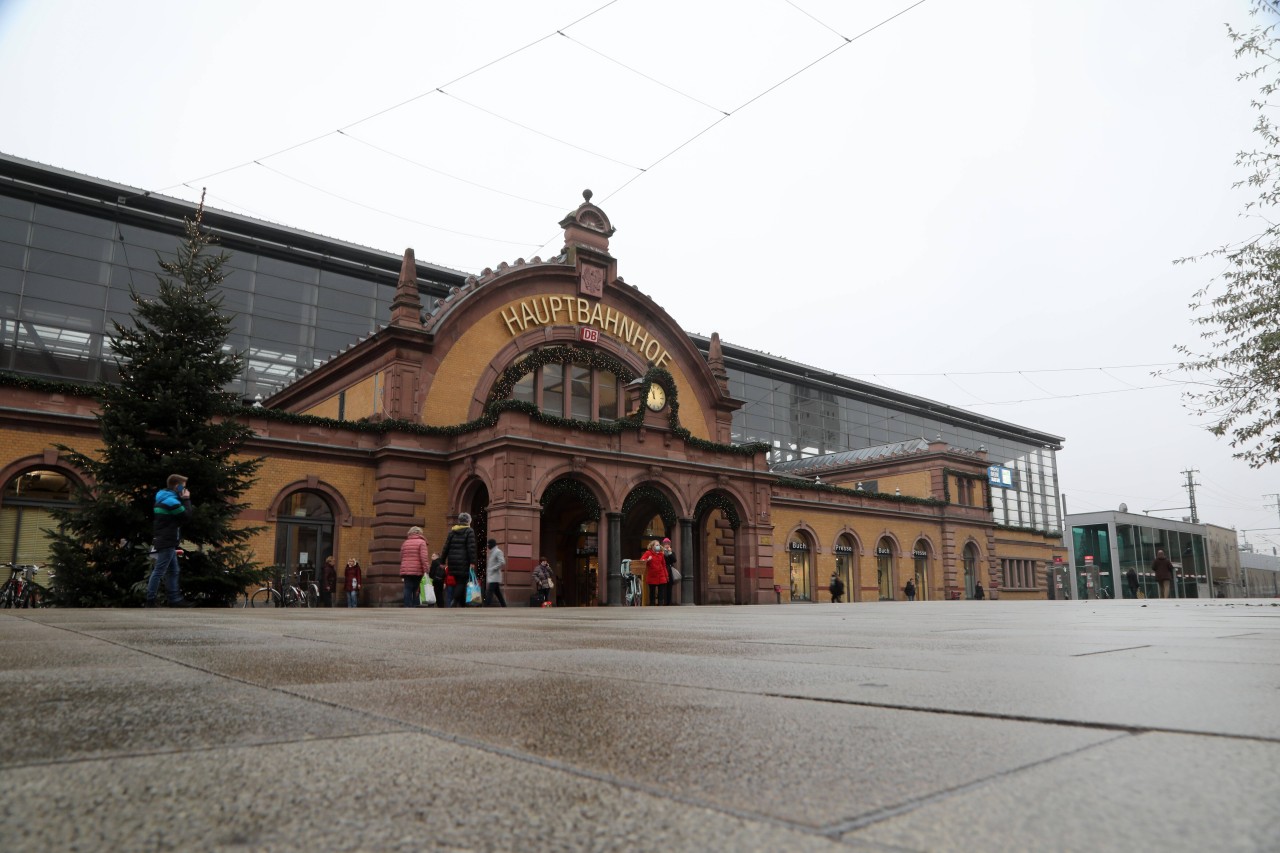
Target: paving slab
[933, 726]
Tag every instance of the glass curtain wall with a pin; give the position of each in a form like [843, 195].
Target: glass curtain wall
[65, 275]
[1137, 546]
[799, 421]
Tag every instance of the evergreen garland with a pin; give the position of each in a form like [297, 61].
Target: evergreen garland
[645, 491]
[575, 488]
[795, 483]
[715, 500]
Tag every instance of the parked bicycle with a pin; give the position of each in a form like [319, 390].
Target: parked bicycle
[280, 592]
[21, 589]
[634, 592]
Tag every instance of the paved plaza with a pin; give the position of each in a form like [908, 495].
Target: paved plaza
[894, 726]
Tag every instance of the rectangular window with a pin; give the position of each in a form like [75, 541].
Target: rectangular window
[607, 396]
[553, 389]
[523, 389]
[579, 392]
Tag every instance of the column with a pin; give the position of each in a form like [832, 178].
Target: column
[613, 554]
[685, 563]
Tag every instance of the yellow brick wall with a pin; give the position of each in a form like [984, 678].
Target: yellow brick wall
[827, 524]
[916, 484]
[454, 385]
[361, 401]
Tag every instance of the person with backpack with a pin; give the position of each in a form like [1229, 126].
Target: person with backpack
[459, 555]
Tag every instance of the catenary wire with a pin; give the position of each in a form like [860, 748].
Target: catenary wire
[654, 80]
[389, 213]
[405, 102]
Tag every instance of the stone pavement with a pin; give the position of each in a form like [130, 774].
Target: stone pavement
[895, 726]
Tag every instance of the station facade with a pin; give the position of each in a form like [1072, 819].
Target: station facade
[572, 418]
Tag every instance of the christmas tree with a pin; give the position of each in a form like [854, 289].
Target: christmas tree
[169, 414]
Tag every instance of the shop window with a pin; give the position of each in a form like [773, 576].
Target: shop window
[969, 558]
[884, 569]
[920, 558]
[801, 565]
[29, 500]
[844, 557]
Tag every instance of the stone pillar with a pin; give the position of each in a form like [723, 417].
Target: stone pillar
[397, 506]
[613, 554]
[686, 561]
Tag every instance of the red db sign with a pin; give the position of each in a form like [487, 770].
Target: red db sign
[589, 335]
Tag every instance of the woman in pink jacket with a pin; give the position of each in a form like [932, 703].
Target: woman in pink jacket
[414, 562]
[655, 575]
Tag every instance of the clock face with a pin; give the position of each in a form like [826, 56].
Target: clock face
[657, 399]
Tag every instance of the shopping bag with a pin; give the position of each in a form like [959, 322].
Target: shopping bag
[427, 594]
[675, 574]
[474, 595]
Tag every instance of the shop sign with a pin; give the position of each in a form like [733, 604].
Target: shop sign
[884, 552]
[918, 554]
[799, 546]
[567, 310]
[843, 549]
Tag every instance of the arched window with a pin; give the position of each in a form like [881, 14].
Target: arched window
[28, 502]
[304, 533]
[801, 564]
[920, 556]
[884, 568]
[575, 391]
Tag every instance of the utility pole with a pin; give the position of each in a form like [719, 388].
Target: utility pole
[1276, 504]
[1191, 492]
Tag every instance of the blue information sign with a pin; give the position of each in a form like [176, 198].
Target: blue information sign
[998, 475]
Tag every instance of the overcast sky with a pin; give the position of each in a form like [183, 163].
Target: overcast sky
[979, 201]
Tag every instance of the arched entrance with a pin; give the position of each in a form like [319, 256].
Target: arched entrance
[718, 577]
[884, 568]
[920, 556]
[845, 556]
[26, 511]
[970, 560]
[570, 539]
[304, 533]
[647, 514]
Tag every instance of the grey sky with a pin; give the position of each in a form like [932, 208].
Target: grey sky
[978, 202]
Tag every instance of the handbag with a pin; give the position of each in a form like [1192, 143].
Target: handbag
[427, 593]
[675, 574]
[474, 596]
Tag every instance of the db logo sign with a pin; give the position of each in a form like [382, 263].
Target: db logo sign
[591, 336]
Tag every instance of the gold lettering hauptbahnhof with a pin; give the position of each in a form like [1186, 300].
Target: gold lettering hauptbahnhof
[554, 310]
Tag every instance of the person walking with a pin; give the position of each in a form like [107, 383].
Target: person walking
[978, 592]
[351, 581]
[438, 574]
[497, 561]
[414, 562]
[1164, 572]
[328, 581]
[459, 553]
[655, 574]
[837, 588]
[910, 590]
[543, 583]
[172, 508]
[1131, 578]
[669, 557]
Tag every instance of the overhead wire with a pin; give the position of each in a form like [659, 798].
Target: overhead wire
[655, 80]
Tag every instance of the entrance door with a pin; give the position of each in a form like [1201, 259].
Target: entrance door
[304, 534]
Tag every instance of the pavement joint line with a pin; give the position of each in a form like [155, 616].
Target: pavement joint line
[460, 740]
[1109, 651]
[1026, 718]
[882, 814]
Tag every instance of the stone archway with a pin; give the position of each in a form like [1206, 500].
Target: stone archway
[647, 514]
[719, 576]
[569, 537]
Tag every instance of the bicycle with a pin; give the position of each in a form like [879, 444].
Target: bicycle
[288, 595]
[21, 589]
[634, 592]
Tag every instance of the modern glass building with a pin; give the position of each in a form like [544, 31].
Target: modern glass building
[71, 247]
[1117, 542]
